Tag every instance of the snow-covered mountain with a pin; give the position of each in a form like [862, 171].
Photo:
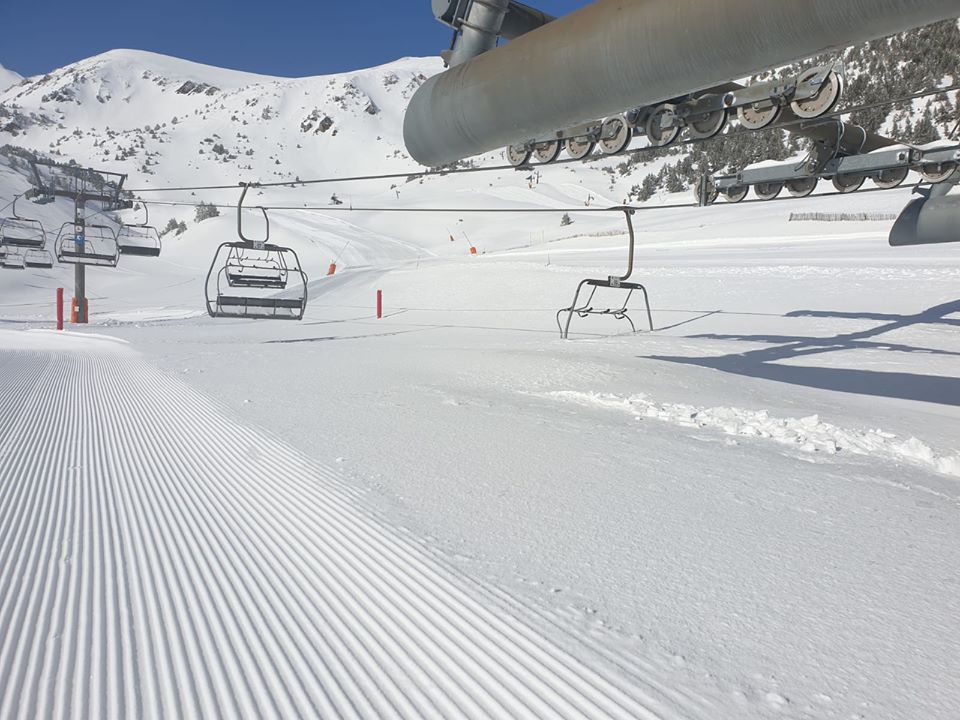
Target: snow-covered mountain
[8, 78]
[149, 115]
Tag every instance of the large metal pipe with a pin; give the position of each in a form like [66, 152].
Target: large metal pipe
[613, 55]
[479, 30]
[934, 217]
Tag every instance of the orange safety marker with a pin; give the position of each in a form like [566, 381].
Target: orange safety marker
[59, 308]
[74, 306]
[332, 269]
[473, 250]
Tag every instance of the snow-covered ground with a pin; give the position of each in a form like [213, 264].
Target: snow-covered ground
[750, 512]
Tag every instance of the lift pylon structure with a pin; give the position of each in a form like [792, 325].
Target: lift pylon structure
[81, 185]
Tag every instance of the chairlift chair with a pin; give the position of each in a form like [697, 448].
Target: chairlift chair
[587, 308]
[140, 239]
[39, 259]
[97, 247]
[243, 273]
[12, 261]
[22, 232]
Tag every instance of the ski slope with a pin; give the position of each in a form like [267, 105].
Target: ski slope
[749, 512]
[170, 562]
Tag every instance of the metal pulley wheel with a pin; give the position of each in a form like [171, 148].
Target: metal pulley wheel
[518, 155]
[938, 172]
[754, 118]
[579, 148]
[711, 194]
[615, 135]
[824, 101]
[659, 135]
[707, 125]
[736, 193]
[768, 191]
[802, 187]
[848, 183]
[547, 152]
[889, 179]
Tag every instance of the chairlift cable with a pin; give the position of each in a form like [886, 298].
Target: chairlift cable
[488, 210]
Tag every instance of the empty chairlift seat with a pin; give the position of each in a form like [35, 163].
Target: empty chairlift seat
[39, 259]
[141, 240]
[93, 245]
[12, 261]
[256, 280]
[22, 233]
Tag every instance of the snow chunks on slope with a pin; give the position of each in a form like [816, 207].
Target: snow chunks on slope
[809, 434]
[158, 559]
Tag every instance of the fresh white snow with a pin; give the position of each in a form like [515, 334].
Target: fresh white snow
[8, 78]
[750, 512]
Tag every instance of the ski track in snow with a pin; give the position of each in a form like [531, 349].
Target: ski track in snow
[808, 434]
[159, 560]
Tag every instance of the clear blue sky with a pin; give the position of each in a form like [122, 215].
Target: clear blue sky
[287, 38]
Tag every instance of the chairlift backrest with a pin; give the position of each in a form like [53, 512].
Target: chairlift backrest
[19, 231]
[87, 245]
[12, 261]
[22, 232]
[40, 259]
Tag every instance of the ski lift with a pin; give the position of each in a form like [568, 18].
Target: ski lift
[87, 245]
[140, 239]
[12, 261]
[246, 273]
[619, 312]
[39, 259]
[21, 232]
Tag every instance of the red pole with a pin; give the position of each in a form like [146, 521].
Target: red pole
[59, 308]
[379, 304]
